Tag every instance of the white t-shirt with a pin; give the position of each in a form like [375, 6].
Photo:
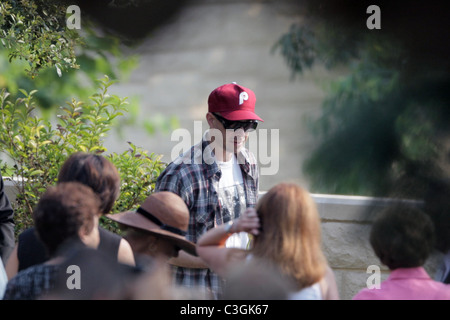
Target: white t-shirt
[309, 293]
[232, 198]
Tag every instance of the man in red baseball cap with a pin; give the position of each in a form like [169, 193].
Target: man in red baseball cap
[218, 183]
[233, 102]
[231, 116]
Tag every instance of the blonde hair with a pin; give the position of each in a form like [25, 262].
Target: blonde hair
[291, 234]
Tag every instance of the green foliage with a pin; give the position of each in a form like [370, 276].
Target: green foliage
[297, 48]
[383, 130]
[35, 31]
[28, 28]
[37, 148]
[34, 38]
[301, 47]
[138, 172]
[357, 132]
[98, 56]
[377, 136]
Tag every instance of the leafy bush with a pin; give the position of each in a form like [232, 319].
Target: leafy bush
[35, 31]
[37, 148]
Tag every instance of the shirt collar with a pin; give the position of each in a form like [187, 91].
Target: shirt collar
[409, 273]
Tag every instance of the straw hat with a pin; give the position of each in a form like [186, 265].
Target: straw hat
[163, 214]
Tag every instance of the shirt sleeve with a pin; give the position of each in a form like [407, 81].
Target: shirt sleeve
[173, 182]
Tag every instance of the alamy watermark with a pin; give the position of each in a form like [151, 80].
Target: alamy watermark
[374, 20]
[74, 20]
[74, 280]
[374, 280]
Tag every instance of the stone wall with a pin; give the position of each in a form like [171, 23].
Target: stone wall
[210, 43]
[346, 222]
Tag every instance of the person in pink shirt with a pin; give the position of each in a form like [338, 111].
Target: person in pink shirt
[403, 237]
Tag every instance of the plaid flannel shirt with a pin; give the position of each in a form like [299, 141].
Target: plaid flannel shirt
[195, 176]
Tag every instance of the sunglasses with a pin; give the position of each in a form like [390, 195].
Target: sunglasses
[248, 125]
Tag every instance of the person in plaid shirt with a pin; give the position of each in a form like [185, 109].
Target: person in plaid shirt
[218, 178]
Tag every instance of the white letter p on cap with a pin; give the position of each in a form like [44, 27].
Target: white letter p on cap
[242, 97]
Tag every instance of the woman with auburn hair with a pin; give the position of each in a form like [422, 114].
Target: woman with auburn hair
[102, 176]
[66, 220]
[286, 233]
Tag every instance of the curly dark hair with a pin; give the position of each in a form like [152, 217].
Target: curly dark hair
[402, 237]
[62, 211]
[96, 172]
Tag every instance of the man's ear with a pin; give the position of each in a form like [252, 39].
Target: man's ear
[210, 119]
[83, 233]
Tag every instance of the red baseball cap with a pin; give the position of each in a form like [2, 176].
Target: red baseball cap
[234, 102]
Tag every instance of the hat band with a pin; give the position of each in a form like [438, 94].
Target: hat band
[163, 226]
